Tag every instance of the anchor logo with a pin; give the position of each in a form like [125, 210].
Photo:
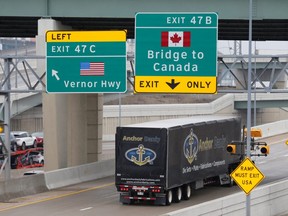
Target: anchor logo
[190, 147]
[141, 155]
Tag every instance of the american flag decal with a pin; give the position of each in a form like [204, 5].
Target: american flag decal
[92, 68]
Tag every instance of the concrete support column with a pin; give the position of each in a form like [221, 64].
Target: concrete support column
[72, 122]
[94, 118]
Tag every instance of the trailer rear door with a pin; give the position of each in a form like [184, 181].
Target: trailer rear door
[140, 156]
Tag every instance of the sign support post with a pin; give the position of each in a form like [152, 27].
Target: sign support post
[248, 198]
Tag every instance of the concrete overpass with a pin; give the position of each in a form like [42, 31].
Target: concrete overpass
[19, 19]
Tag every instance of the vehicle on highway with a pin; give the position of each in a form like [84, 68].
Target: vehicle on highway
[39, 138]
[13, 143]
[24, 139]
[37, 157]
[164, 161]
[29, 158]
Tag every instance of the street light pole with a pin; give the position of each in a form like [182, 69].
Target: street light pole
[248, 140]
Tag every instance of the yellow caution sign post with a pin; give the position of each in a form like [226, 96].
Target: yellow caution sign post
[247, 176]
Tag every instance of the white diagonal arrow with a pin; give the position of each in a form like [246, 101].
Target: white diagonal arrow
[55, 74]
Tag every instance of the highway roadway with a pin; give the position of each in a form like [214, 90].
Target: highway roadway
[100, 197]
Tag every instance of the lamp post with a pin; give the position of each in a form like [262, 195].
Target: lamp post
[248, 140]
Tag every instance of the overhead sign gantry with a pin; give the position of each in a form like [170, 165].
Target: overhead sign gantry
[176, 52]
[86, 61]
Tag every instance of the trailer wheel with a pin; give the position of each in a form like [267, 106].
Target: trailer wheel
[232, 182]
[177, 196]
[187, 192]
[169, 197]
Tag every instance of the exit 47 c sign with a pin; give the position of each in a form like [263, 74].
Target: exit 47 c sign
[176, 52]
[86, 61]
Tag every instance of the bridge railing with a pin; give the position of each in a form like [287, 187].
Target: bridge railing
[18, 74]
[269, 73]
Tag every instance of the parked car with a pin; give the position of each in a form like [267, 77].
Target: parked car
[24, 139]
[13, 143]
[39, 138]
[32, 157]
[27, 158]
[37, 157]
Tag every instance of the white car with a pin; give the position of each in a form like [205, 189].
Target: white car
[24, 139]
[37, 157]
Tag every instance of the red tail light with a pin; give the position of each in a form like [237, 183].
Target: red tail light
[123, 189]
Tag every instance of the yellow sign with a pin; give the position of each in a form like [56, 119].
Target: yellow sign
[247, 176]
[175, 84]
[86, 36]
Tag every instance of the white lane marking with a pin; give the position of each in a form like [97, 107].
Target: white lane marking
[261, 162]
[85, 209]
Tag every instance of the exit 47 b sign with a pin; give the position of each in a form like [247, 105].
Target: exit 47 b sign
[176, 52]
[86, 61]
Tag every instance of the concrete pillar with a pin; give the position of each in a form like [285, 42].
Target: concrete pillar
[72, 122]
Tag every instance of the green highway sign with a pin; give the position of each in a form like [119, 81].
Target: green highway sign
[176, 52]
[86, 61]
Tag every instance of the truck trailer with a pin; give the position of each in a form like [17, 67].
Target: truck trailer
[164, 161]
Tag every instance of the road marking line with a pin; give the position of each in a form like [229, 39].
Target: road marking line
[57, 197]
[85, 209]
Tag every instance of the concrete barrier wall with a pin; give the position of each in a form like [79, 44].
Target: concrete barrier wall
[267, 200]
[275, 128]
[22, 187]
[74, 175]
[28, 185]
[224, 105]
[131, 114]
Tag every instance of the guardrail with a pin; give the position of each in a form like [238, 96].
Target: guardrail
[267, 200]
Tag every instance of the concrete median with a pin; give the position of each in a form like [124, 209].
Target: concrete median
[74, 175]
[33, 184]
[267, 200]
[20, 187]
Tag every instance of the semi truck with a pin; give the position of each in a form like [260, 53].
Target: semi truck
[165, 161]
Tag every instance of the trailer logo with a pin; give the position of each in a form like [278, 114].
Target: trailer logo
[141, 155]
[190, 147]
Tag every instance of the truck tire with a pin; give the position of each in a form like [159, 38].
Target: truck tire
[232, 182]
[187, 192]
[169, 197]
[177, 196]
